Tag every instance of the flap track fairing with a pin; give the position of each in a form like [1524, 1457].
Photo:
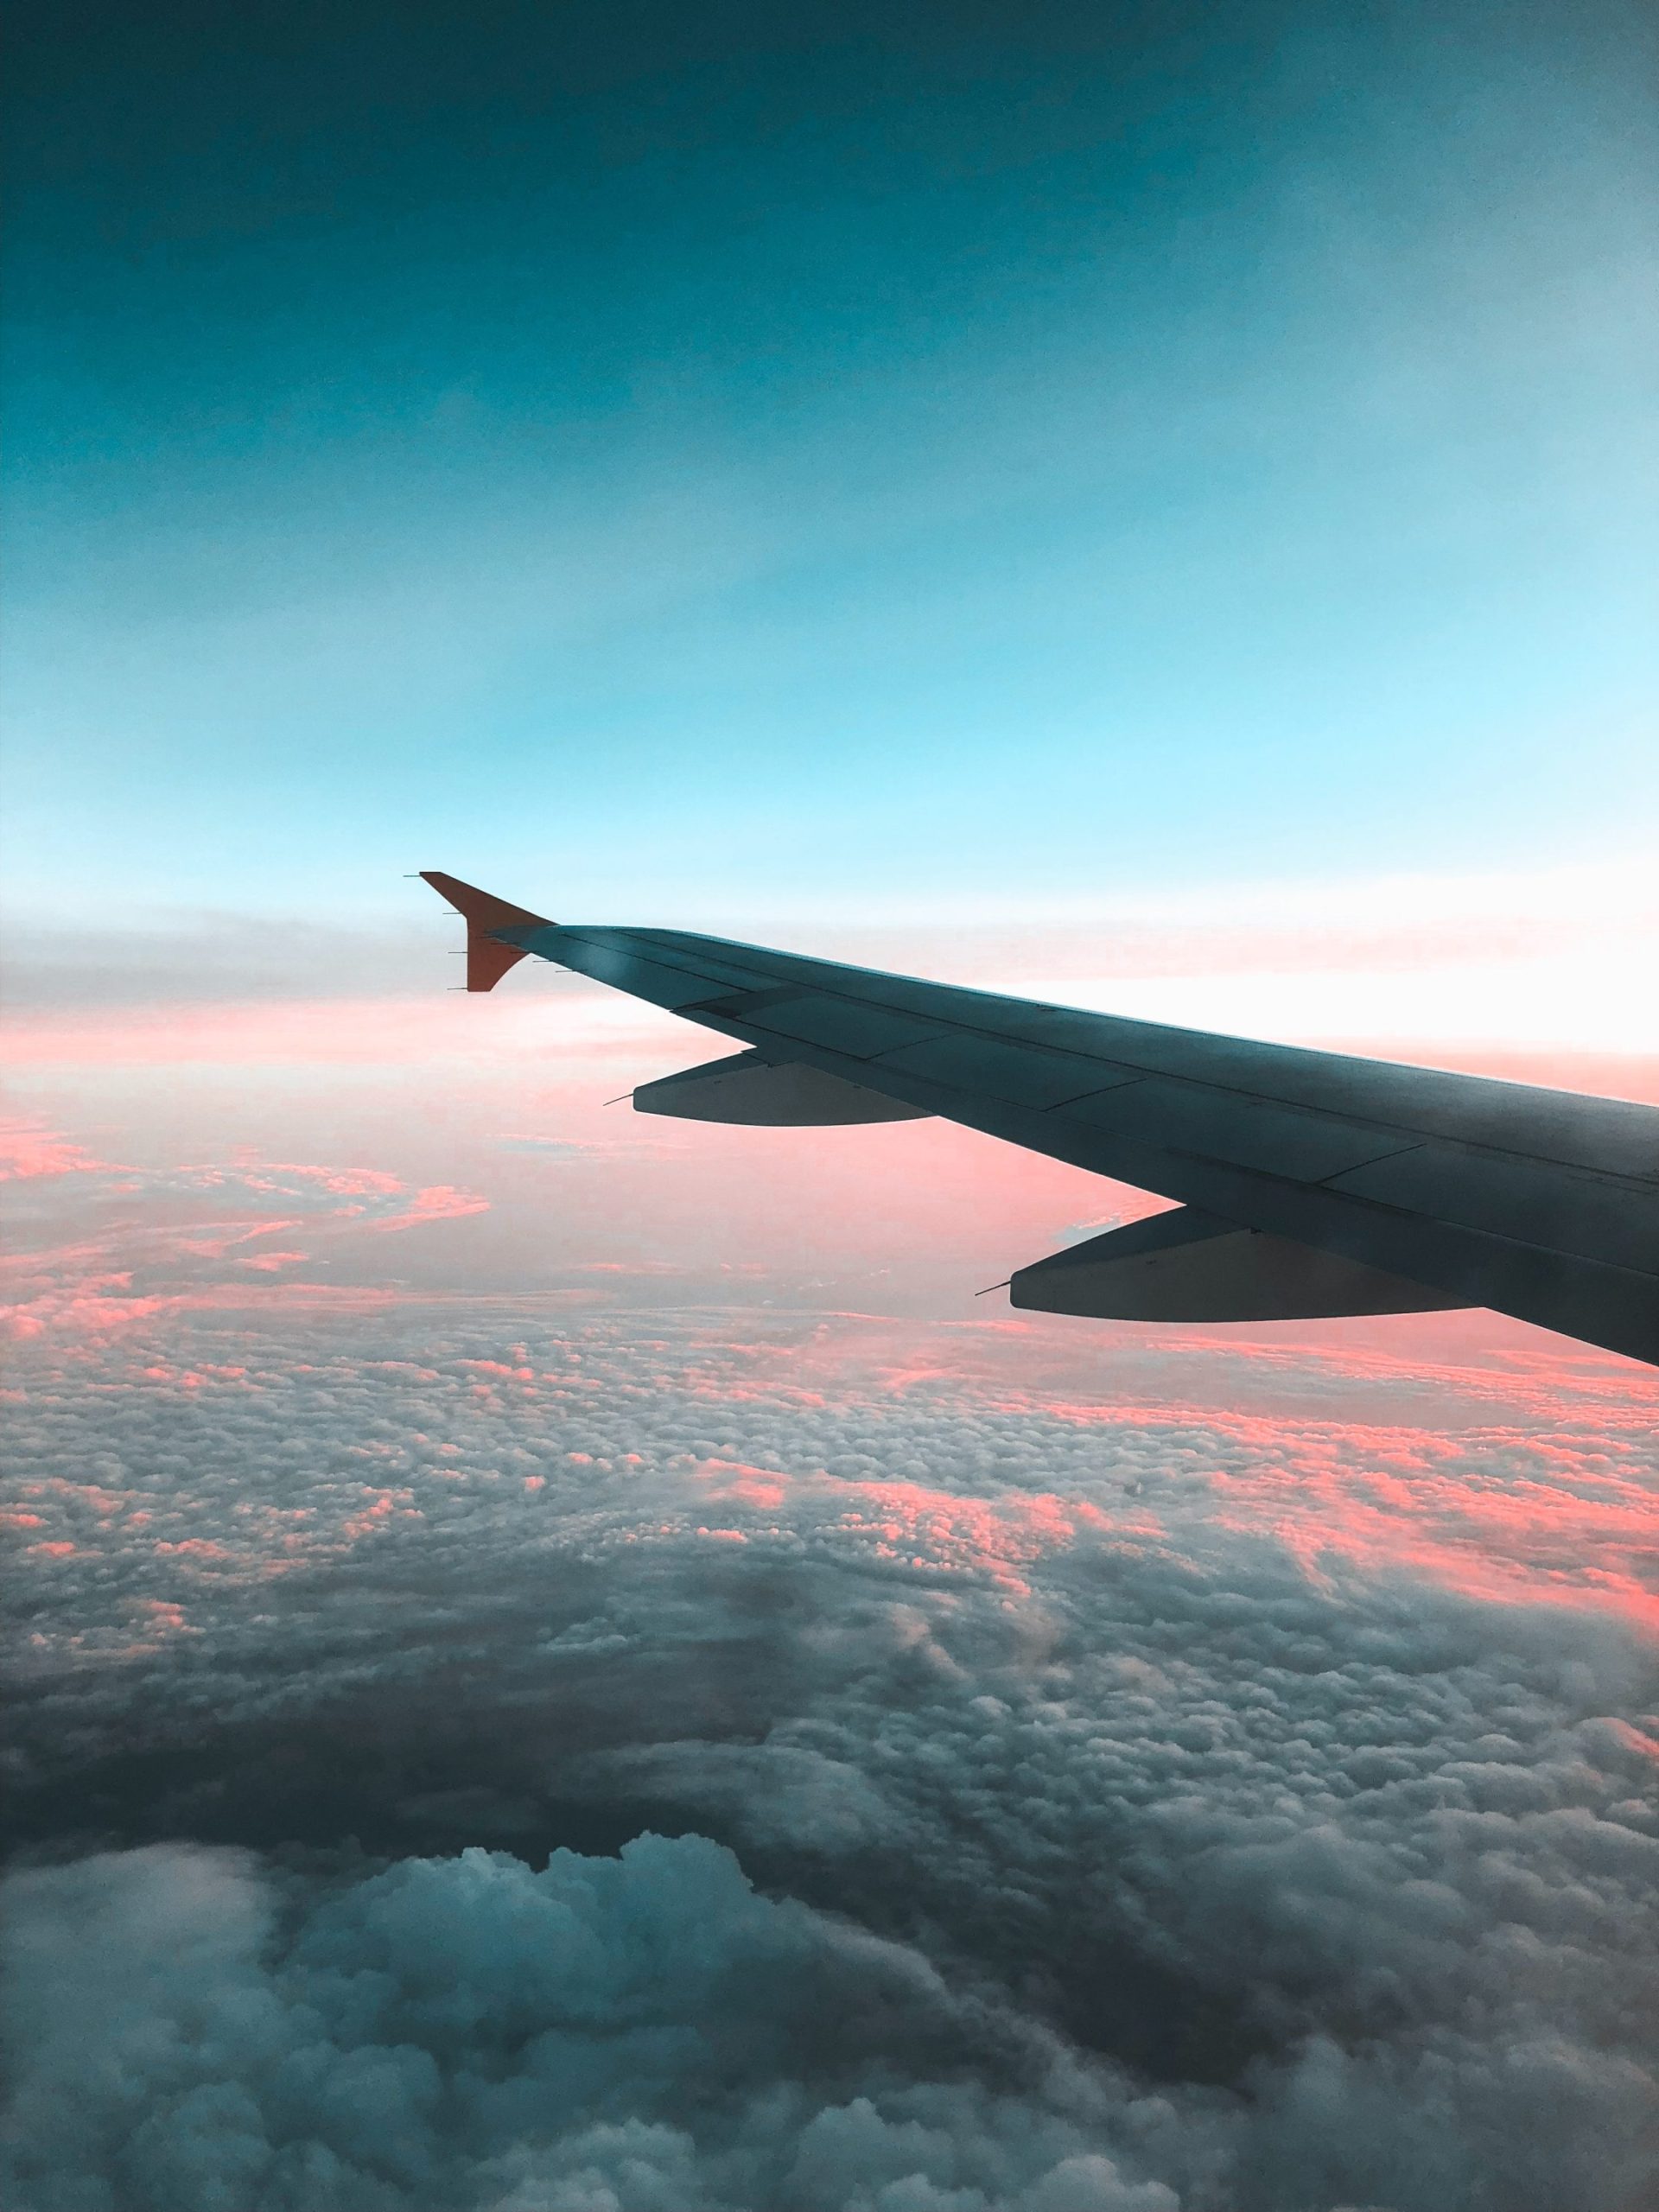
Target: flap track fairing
[1189, 1266]
[760, 1093]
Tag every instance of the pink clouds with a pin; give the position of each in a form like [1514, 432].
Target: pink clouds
[28, 1151]
[161, 1618]
[437, 1202]
[1575, 1531]
[371, 1518]
[909, 1523]
[371, 1196]
[1489, 1509]
[91, 1308]
[176, 1238]
[758, 1488]
[1492, 1509]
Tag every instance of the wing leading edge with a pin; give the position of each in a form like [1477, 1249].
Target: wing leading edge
[1370, 1187]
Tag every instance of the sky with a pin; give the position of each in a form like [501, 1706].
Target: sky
[564, 1661]
[763, 458]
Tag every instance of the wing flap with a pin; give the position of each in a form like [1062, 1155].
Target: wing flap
[839, 1025]
[1026, 1075]
[1557, 1209]
[1276, 1140]
[1612, 1136]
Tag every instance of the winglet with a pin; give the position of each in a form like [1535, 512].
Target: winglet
[487, 958]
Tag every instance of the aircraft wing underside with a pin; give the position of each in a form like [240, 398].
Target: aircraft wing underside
[1309, 1183]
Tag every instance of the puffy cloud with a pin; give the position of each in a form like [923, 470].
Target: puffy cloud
[1203, 1809]
[642, 2031]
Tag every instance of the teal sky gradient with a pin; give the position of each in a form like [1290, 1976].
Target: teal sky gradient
[619, 460]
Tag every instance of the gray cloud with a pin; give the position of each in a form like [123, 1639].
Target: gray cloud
[1263, 1807]
[639, 2032]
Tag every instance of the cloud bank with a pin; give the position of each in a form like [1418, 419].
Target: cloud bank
[1021, 1801]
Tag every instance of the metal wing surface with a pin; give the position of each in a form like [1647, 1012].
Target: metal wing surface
[1314, 1182]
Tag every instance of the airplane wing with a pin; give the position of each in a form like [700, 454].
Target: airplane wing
[1307, 1183]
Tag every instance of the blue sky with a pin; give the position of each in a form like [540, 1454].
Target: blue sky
[632, 460]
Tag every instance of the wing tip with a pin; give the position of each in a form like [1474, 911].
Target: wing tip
[487, 958]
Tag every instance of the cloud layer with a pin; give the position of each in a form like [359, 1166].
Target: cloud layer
[1150, 1805]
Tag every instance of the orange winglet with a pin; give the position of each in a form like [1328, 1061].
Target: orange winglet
[487, 958]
